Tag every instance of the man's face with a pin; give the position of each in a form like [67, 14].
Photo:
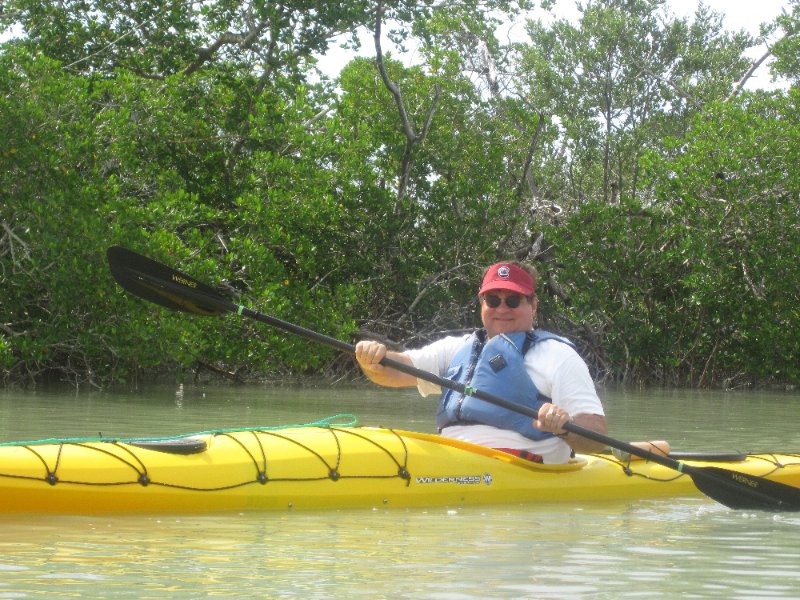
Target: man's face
[503, 318]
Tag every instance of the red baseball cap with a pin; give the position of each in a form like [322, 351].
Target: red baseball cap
[505, 276]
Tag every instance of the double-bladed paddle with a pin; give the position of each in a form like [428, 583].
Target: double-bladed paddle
[155, 282]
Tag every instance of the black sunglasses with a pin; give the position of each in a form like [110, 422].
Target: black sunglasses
[493, 301]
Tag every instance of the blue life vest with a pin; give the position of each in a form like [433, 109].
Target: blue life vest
[496, 366]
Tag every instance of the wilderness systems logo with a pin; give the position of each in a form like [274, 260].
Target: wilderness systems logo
[458, 479]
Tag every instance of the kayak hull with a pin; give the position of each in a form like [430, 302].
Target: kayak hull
[326, 467]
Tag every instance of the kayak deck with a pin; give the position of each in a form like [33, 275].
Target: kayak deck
[323, 467]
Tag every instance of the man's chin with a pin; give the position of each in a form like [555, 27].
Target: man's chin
[501, 328]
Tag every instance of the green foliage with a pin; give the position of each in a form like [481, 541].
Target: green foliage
[787, 48]
[618, 82]
[700, 287]
[91, 163]
[662, 219]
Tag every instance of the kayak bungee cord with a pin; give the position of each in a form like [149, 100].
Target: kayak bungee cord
[250, 444]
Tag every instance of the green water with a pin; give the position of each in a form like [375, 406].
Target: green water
[647, 549]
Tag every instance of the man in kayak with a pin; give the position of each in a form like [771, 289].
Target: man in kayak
[509, 359]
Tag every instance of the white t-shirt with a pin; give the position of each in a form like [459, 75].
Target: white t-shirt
[555, 368]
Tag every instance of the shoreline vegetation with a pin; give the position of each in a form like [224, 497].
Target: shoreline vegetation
[619, 153]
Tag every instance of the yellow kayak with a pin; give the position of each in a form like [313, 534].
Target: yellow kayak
[324, 467]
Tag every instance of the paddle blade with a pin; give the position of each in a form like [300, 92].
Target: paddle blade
[743, 491]
[154, 282]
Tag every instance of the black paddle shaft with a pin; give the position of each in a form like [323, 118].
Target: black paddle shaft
[162, 285]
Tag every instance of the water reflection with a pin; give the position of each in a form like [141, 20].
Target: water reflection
[645, 550]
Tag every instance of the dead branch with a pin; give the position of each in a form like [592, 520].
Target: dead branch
[753, 68]
[10, 243]
[526, 171]
[243, 40]
[413, 139]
